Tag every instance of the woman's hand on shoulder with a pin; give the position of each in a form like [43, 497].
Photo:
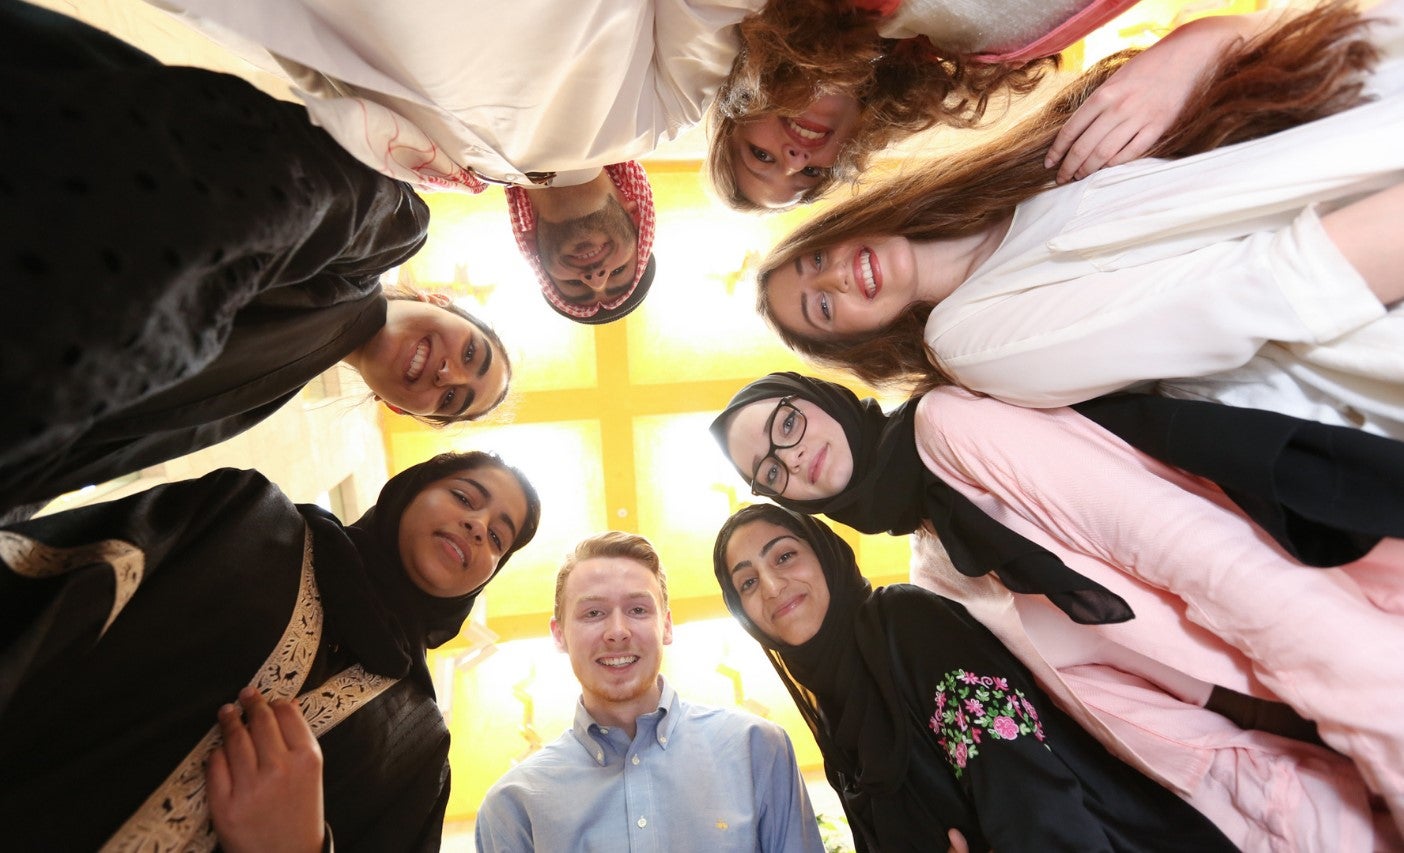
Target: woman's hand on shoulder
[265, 781]
[1132, 110]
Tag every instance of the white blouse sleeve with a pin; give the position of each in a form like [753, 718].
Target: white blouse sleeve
[1201, 312]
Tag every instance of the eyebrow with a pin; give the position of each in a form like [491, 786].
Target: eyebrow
[469, 395]
[487, 355]
[487, 497]
[765, 549]
[804, 307]
[640, 595]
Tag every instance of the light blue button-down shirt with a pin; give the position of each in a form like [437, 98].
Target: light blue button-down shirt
[692, 778]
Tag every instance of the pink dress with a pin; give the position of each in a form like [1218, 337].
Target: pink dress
[1214, 599]
[963, 24]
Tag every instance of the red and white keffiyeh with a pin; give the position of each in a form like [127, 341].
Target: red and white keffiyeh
[633, 186]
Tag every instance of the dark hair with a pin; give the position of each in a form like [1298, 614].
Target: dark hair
[745, 515]
[794, 51]
[439, 421]
[1303, 69]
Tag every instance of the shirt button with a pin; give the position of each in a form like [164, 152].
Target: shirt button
[663, 741]
[636, 760]
[604, 730]
[599, 756]
[643, 822]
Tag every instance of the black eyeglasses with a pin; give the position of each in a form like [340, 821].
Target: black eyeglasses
[785, 429]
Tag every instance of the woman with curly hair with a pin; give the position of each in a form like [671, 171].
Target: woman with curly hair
[1264, 270]
[820, 85]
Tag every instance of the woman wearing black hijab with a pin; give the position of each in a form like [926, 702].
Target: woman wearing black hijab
[925, 721]
[1045, 516]
[125, 625]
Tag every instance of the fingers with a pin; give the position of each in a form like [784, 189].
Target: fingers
[263, 726]
[1098, 144]
[238, 746]
[1143, 141]
[217, 779]
[1071, 131]
[296, 734]
[265, 782]
[957, 841]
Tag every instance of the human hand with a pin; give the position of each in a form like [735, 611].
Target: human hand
[265, 782]
[1132, 110]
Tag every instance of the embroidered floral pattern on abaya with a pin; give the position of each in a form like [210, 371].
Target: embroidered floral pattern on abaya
[970, 708]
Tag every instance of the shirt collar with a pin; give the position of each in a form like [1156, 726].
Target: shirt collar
[582, 727]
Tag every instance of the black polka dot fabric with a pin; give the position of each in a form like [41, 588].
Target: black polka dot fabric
[180, 251]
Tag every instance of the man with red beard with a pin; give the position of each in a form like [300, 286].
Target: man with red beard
[641, 769]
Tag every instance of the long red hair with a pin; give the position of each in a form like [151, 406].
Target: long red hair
[1308, 67]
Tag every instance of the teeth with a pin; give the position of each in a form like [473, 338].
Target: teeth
[865, 263]
[620, 661]
[462, 558]
[416, 366]
[587, 257]
[806, 133]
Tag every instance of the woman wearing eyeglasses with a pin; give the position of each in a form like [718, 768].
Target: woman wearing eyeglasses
[1096, 564]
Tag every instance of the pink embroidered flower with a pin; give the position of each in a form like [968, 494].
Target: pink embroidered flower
[960, 718]
[974, 707]
[1038, 733]
[975, 734]
[1001, 684]
[969, 677]
[960, 755]
[1005, 727]
[940, 701]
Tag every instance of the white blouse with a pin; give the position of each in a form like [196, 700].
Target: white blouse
[419, 89]
[1161, 270]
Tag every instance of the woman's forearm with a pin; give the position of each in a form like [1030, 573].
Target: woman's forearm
[1370, 234]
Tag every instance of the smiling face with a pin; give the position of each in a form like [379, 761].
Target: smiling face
[427, 360]
[845, 290]
[592, 258]
[614, 625]
[779, 580]
[818, 465]
[455, 531]
[780, 158]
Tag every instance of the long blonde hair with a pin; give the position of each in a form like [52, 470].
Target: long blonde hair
[1310, 66]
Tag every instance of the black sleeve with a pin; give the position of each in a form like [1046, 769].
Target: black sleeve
[983, 714]
[1326, 494]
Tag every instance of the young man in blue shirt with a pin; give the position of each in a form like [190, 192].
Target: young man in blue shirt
[641, 769]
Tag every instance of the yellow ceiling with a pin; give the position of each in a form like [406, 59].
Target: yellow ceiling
[610, 421]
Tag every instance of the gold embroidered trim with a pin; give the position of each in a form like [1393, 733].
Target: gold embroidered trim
[177, 814]
[340, 697]
[34, 559]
